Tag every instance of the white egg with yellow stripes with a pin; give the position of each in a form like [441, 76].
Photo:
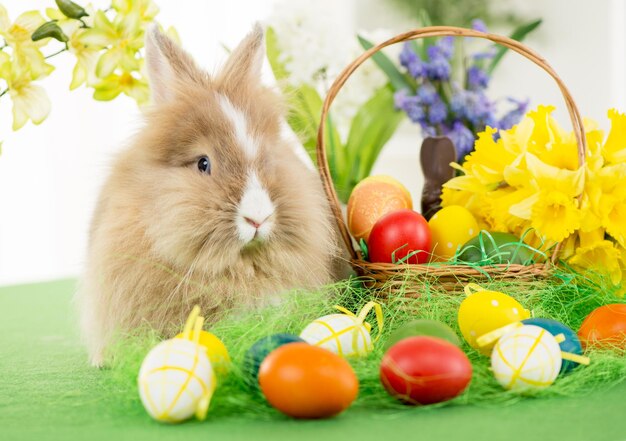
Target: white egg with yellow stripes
[526, 358]
[176, 379]
[344, 334]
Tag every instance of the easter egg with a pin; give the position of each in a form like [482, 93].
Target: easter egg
[176, 381]
[497, 248]
[526, 358]
[485, 311]
[371, 199]
[451, 227]
[570, 344]
[425, 370]
[605, 326]
[305, 381]
[427, 327]
[341, 334]
[261, 349]
[216, 350]
[400, 236]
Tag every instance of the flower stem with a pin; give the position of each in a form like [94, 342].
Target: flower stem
[57, 52]
[4, 92]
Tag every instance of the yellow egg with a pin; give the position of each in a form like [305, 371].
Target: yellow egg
[450, 228]
[216, 350]
[485, 311]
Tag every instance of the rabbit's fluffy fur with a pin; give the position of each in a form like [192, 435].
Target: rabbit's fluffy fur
[166, 235]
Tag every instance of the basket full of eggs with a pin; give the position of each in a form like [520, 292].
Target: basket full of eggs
[393, 247]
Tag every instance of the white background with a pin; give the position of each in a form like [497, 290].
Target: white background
[50, 174]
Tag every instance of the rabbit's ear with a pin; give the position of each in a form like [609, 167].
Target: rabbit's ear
[169, 67]
[245, 62]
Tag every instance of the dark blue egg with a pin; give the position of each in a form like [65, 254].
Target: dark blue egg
[570, 344]
[261, 349]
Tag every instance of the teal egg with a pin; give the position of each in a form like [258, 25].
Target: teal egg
[426, 327]
[257, 353]
[571, 343]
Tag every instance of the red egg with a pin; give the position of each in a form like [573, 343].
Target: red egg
[397, 235]
[425, 370]
[605, 326]
[305, 381]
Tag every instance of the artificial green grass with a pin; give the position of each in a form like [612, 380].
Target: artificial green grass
[567, 298]
[48, 392]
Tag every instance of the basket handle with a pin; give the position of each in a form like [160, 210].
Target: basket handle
[432, 31]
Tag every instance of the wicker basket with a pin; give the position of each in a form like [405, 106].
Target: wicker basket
[409, 277]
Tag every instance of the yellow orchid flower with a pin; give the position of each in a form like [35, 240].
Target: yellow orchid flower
[29, 100]
[26, 53]
[114, 84]
[614, 150]
[555, 215]
[18, 33]
[146, 9]
[122, 39]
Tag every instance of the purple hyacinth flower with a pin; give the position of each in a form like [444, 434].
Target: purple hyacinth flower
[428, 130]
[437, 112]
[478, 108]
[438, 69]
[479, 25]
[515, 115]
[462, 138]
[427, 93]
[414, 109]
[407, 55]
[458, 103]
[399, 99]
[477, 78]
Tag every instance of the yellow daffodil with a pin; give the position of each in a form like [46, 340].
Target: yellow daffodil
[528, 182]
[555, 215]
[489, 159]
[615, 147]
[113, 85]
[122, 38]
[602, 257]
[613, 215]
[29, 100]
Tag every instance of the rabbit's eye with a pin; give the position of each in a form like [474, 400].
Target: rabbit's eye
[204, 165]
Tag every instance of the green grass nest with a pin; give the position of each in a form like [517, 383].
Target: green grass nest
[567, 298]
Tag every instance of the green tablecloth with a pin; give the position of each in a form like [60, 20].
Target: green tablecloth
[47, 392]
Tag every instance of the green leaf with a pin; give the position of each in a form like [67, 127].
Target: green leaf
[373, 125]
[396, 78]
[273, 55]
[519, 34]
[49, 30]
[71, 9]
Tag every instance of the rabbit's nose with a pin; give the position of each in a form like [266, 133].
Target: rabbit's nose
[254, 222]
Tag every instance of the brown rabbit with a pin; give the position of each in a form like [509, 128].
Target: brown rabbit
[209, 205]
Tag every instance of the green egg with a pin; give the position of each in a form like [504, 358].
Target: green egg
[501, 248]
[427, 327]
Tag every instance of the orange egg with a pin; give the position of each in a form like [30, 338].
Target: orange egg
[305, 381]
[371, 199]
[605, 326]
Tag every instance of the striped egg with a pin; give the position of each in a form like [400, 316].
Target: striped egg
[176, 381]
[526, 358]
[341, 334]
